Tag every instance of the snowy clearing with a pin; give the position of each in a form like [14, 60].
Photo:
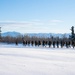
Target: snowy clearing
[37, 61]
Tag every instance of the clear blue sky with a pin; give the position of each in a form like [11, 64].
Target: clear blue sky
[36, 16]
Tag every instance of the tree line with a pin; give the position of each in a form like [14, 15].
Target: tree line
[40, 41]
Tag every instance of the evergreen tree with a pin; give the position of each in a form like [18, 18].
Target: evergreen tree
[66, 44]
[69, 43]
[61, 44]
[57, 44]
[0, 33]
[35, 43]
[73, 44]
[53, 44]
[26, 43]
[39, 43]
[49, 43]
[32, 43]
[43, 43]
[16, 42]
[23, 42]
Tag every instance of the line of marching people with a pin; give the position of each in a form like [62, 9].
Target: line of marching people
[49, 43]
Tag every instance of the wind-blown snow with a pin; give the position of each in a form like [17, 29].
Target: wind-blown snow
[37, 61]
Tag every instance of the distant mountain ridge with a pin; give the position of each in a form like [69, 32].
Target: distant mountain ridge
[15, 34]
[12, 34]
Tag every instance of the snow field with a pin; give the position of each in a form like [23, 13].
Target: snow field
[36, 61]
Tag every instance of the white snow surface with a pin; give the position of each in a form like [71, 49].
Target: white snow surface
[36, 61]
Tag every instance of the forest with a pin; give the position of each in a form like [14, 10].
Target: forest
[41, 41]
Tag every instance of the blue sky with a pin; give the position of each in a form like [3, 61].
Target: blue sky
[37, 16]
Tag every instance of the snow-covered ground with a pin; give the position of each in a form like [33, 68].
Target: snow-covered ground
[36, 61]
